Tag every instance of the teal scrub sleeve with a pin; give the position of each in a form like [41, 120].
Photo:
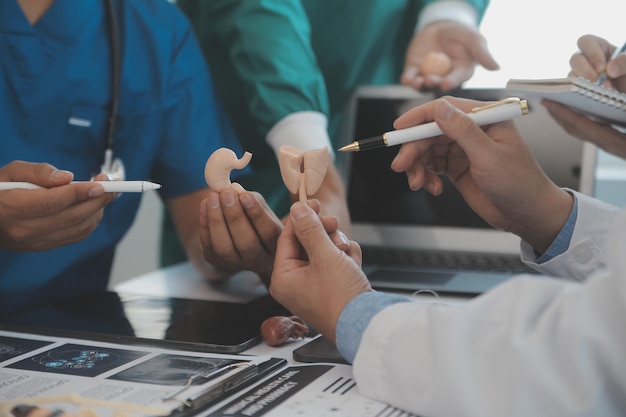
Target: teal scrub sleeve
[267, 48]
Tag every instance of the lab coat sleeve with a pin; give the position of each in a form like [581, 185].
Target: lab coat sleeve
[529, 347]
[587, 251]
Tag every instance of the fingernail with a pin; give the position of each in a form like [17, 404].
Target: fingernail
[342, 238]
[444, 110]
[214, 200]
[22, 410]
[410, 72]
[246, 200]
[59, 173]
[299, 210]
[96, 191]
[228, 198]
[237, 187]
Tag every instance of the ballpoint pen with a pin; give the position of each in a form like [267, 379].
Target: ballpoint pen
[109, 186]
[616, 52]
[245, 371]
[492, 113]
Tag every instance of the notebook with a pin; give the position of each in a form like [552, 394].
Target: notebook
[599, 102]
[413, 241]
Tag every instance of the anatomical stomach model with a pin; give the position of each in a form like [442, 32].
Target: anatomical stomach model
[220, 164]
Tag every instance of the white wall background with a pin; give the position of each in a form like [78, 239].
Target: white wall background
[530, 39]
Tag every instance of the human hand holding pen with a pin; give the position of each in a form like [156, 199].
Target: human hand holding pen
[37, 220]
[492, 167]
[595, 58]
[589, 62]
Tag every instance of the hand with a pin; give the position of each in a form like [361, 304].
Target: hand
[604, 136]
[239, 231]
[313, 278]
[589, 62]
[464, 45]
[59, 214]
[593, 59]
[493, 169]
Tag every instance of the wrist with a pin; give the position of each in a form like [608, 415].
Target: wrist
[541, 226]
[304, 130]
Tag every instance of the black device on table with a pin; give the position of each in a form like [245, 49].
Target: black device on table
[213, 326]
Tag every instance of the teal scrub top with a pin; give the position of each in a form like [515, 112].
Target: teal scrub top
[271, 58]
[169, 122]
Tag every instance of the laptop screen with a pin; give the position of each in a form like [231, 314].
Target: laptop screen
[379, 198]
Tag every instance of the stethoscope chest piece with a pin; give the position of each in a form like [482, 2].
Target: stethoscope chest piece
[113, 168]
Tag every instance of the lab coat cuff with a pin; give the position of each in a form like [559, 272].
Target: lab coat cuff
[305, 130]
[587, 250]
[458, 11]
[357, 315]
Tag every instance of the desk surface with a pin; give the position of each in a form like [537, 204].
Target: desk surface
[316, 398]
[184, 281]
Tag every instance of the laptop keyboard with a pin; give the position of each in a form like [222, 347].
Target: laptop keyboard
[471, 261]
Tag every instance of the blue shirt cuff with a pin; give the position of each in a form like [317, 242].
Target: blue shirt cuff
[356, 316]
[563, 239]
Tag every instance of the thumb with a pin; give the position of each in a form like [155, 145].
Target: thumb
[456, 125]
[42, 174]
[309, 229]
[483, 56]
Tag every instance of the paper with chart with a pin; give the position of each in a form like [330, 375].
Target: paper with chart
[73, 374]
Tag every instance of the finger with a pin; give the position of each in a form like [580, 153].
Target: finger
[617, 67]
[458, 126]
[340, 240]
[580, 126]
[330, 223]
[262, 219]
[581, 67]
[482, 55]
[42, 174]
[310, 231]
[596, 50]
[54, 201]
[410, 74]
[217, 239]
[288, 247]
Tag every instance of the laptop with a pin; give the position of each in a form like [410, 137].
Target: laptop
[413, 241]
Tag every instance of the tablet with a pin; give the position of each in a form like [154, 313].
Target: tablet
[319, 350]
[214, 326]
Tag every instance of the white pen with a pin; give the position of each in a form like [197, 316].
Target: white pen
[492, 113]
[109, 186]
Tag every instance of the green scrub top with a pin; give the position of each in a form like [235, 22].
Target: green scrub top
[271, 58]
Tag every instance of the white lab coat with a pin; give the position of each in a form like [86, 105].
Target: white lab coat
[530, 347]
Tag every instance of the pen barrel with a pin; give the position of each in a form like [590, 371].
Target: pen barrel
[482, 117]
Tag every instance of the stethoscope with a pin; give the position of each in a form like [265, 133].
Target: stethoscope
[113, 167]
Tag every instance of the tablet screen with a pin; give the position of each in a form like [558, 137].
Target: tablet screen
[183, 323]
